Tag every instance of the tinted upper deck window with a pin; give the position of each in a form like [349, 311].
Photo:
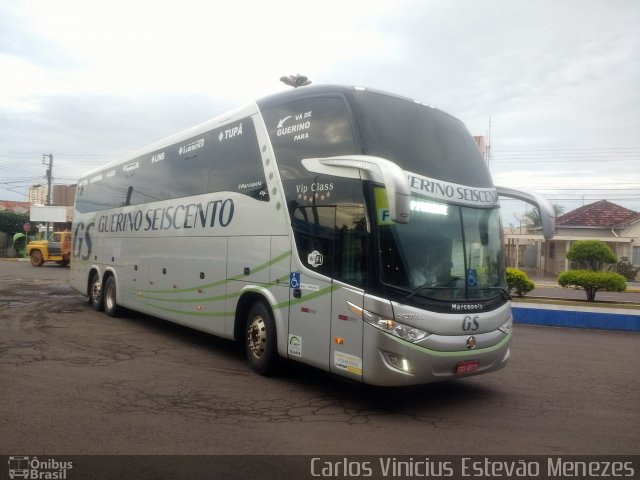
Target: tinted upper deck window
[419, 138]
[225, 159]
[307, 128]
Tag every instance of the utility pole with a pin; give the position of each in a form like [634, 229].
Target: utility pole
[49, 174]
[49, 178]
[487, 150]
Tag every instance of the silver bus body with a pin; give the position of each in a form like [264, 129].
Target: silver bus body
[293, 225]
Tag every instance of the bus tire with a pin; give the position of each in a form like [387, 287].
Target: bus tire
[96, 298]
[111, 306]
[260, 340]
[36, 258]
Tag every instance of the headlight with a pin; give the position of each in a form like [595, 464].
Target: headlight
[397, 329]
[506, 326]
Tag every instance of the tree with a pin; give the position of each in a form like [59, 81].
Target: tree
[533, 217]
[591, 281]
[11, 222]
[591, 254]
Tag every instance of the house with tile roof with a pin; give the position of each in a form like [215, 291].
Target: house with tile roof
[15, 207]
[615, 225]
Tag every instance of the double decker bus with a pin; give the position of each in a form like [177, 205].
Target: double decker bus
[346, 228]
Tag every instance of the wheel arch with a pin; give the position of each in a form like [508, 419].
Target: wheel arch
[103, 275]
[94, 270]
[109, 272]
[41, 260]
[250, 295]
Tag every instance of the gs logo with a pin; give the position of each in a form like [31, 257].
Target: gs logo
[470, 323]
[82, 240]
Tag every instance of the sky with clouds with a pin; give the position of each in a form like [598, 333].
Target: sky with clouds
[556, 83]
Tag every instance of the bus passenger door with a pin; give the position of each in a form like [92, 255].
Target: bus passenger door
[326, 306]
[311, 285]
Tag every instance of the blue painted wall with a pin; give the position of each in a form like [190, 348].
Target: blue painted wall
[577, 318]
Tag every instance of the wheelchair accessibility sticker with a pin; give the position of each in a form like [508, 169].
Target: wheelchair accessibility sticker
[294, 282]
[472, 277]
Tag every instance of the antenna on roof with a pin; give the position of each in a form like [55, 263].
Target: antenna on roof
[295, 81]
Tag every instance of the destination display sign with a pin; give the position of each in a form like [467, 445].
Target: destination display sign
[452, 192]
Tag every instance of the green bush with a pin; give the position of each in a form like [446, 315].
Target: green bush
[11, 222]
[591, 254]
[626, 269]
[518, 281]
[591, 282]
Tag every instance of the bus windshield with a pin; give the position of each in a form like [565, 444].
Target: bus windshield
[446, 252]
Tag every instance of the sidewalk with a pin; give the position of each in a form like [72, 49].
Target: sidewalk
[542, 279]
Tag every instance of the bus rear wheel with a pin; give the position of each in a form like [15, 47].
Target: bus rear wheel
[111, 307]
[95, 293]
[260, 340]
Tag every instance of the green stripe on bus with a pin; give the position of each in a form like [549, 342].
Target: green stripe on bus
[320, 293]
[224, 281]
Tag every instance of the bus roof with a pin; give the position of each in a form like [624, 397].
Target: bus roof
[250, 109]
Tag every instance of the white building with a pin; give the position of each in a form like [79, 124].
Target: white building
[617, 226]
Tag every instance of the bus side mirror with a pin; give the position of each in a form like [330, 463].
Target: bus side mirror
[370, 168]
[547, 214]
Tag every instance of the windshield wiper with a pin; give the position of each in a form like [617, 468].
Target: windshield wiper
[428, 287]
[503, 291]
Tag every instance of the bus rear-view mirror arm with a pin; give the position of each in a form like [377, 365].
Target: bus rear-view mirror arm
[547, 214]
[370, 168]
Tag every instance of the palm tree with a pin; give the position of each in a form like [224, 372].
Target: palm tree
[533, 217]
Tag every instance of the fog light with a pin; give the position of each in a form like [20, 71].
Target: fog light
[506, 326]
[397, 361]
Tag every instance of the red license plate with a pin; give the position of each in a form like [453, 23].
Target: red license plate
[467, 367]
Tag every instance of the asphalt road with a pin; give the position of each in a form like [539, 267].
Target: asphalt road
[74, 381]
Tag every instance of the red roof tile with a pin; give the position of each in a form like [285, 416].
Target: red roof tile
[602, 214]
[11, 206]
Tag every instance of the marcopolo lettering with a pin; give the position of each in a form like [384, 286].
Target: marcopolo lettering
[466, 307]
[174, 217]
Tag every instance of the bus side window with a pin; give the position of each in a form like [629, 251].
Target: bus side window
[314, 230]
[332, 240]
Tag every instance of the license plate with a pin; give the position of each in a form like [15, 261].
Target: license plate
[467, 367]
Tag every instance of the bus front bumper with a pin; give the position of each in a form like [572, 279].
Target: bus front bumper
[390, 361]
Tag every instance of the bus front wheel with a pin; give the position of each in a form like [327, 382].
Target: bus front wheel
[260, 339]
[111, 307]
